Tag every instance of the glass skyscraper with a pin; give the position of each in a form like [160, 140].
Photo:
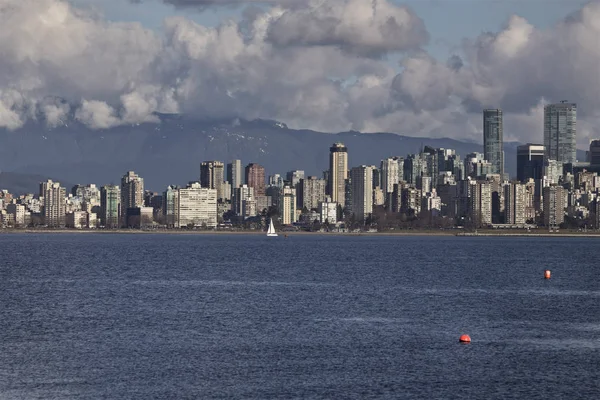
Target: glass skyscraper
[560, 132]
[493, 140]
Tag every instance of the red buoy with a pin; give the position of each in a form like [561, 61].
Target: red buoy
[547, 274]
[465, 339]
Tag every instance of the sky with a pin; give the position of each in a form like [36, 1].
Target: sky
[415, 67]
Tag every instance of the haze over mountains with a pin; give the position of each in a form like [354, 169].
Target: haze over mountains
[170, 152]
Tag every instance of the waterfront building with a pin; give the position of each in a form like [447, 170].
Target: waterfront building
[110, 201]
[197, 206]
[328, 211]
[54, 204]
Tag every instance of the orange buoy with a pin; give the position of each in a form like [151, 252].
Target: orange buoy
[465, 339]
[547, 274]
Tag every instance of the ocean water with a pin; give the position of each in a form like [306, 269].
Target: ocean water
[102, 316]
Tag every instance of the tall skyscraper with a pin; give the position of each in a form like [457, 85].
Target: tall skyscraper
[560, 132]
[211, 176]
[389, 174]
[54, 204]
[110, 199]
[530, 162]
[234, 174]
[362, 192]
[255, 178]
[132, 194]
[338, 173]
[493, 140]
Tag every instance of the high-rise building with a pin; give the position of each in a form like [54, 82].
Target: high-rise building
[110, 201]
[560, 132]
[515, 203]
[54, 204]
[390, 174]
[554, 206]
[197, 206]
[480, 202]
[234, 174]
[530, 162]
[211, 176]
[311, 192]
[362, 192]
[170, 206]
[242, 195]
[493, 140]
[255, 178]
[287, 205]
[132, 194]
[338, 173]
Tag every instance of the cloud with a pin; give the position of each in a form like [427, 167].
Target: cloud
[371, 27]
[312, 64]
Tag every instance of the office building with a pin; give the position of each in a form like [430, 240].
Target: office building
[493, 140]
[530, 162]
[560, 132]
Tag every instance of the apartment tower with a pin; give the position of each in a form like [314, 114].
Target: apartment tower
[338, 173]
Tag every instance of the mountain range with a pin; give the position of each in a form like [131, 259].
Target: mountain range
[170, 151]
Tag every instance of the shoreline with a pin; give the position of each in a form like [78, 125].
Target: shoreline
[301, 233]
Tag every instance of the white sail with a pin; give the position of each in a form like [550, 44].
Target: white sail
[271, 231]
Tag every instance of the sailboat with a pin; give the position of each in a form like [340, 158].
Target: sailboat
[271, 231]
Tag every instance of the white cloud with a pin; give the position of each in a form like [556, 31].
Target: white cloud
[312, 64]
